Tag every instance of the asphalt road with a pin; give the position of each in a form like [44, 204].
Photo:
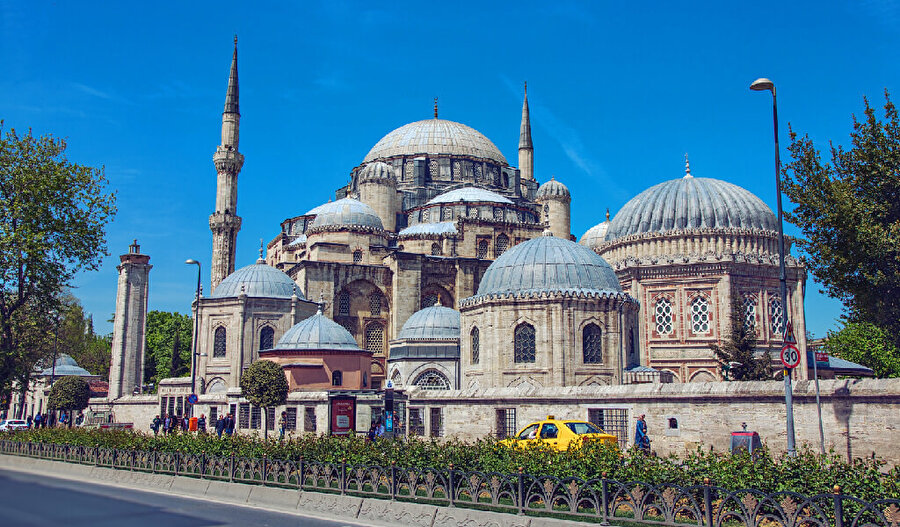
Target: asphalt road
[35, 500]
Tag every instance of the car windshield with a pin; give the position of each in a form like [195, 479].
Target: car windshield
[583, 428]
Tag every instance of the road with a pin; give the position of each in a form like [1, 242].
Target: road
[36, 500]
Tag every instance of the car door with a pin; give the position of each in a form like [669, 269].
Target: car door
[550, 435]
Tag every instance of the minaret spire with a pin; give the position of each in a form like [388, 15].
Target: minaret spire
[224, 222]
[526, 148]
[435, 108]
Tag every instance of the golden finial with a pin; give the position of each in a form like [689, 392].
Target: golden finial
[607, 214]
[687, 166]
[235, 40]
[526, 87]
[260, 248]
[435, 108]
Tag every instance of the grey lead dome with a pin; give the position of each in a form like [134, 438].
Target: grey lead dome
[549, 264]
[317, 332]
[346, 212]
[553, 189]
[437, 137]
[691, 203]
[432, 323]
[257, 280]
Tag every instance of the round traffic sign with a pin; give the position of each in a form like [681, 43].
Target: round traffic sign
[192, 398]
[790, 356]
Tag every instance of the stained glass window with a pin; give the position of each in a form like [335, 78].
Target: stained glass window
[375, 338]
[482, 249]
[432, 380]
[663, 316]
[524, 350]
[266, 338]
[776, 310]
[337, 378]
[375, 304]
[219, 342]
[749, 312]
[592, 344]
[700, 315]
[435, 249]
[475, 345]
[344, 303]
[357, 256]
[502, 244]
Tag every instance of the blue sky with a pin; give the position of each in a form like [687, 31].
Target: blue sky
[619, 91]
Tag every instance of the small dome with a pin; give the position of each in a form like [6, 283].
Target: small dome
[596, 234]
[549, 264]
[317, 332]
[376, 170]
[66, 365]
[432, 323]
[299, 240]
[553, 189]
[347, 212]
[469, 195]
[435, 137]
[258, 280]
[691, 203]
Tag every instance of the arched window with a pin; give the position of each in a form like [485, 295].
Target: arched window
[432, 380]
[344, 303]
[428, 300]
[475, 337]
[749, 313]
[357, 256]
[524, 344]
[396, 378]
[219, 342]
[375, 304]
[447, 213]
[663, 316]
[482, 250]
[424, 215]
[502, 244]
[592, 344]
[375, 338]
[266, 338]
[776, 312]
[435, 249]
[700, 315]
[337, 378]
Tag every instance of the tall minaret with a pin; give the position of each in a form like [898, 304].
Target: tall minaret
[224, 222]
[126, 370]
[526, 149]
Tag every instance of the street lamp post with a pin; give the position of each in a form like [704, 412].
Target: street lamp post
[196, 336]
[763, 84]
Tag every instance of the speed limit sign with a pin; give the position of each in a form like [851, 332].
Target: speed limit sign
[790, 356]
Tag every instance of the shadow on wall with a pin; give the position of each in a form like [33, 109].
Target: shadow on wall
[843, 410]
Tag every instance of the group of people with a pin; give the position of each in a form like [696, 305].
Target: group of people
[49, 420]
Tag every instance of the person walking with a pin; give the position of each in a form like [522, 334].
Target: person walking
[229, 425]
[641, 439]
[220, 426]
[201, 424]
[282, 423]
[154, 425]
[29, 421]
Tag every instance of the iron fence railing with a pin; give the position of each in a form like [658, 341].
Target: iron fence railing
[597, 499]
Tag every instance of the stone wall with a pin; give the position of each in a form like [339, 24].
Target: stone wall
[860, 416]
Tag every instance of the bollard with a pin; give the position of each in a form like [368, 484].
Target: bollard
[604, 503]
[343, 476]
[838, 507]
[393, 480]
[450, 488]
[707, 502]
[520, 491]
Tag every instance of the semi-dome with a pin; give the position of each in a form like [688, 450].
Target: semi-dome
[346, 212]
[317, 332]
[596, 234]
[432, 323]
[437, 228]
[435, 137]
[549, 264]
[257, 280]
[553, 189]
[469, 195]
[691, 203]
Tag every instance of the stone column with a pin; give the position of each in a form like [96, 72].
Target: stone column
[127, 362]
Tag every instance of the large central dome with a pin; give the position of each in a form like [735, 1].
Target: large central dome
[435, 137]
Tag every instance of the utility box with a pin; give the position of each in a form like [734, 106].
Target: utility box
[745, 440]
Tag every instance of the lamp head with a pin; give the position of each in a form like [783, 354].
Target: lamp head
[192, 262]
[763, 84]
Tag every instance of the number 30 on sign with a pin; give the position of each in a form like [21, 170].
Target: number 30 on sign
[790, 356]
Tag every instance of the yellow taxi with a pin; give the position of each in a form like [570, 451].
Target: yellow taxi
[560, 434]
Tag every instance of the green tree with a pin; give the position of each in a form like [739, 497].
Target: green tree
[264, 385]
[866, 344]
[848, 210]
[737, 356]
[69, 393]
[53, 215]
[168, 346]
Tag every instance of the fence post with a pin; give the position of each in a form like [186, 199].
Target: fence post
[97, 456]
[707, 502]
[343, 476]
[838, 507]
[177, 456]
[202, 463]
[133, 459]
[604, 499]
[153, 466]
[231, 467]
[393, 480]
[520, 501]
[115, 457]
[302, 475]
[264, 469]
[450, 488]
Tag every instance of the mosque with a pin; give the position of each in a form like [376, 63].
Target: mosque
[441, 266]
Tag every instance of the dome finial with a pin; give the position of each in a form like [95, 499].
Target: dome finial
[435, 108]
[437, 301]
[261, 260]
[321, 303]
[607, 214]
[687, 166]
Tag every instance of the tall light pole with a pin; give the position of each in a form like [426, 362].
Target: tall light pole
[763, 84]
[196, 336]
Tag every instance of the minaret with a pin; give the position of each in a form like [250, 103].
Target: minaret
[526, 149]
[126, 371]
[224, 222]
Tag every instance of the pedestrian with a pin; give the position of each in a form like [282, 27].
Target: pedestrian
[641, 439]
[79, 419]
[379, 428]
[220, 425]
[37, 420]
[167, 424]
[373, 433]
[201, 424]
[154, 425]
[29, 421]
[282, 423]
[229, 425]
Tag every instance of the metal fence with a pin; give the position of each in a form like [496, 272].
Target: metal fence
[602, 500]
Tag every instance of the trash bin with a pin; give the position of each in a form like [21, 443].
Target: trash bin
[192, 424]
